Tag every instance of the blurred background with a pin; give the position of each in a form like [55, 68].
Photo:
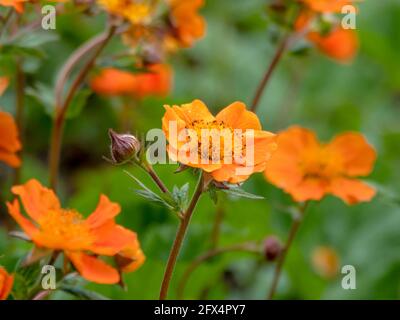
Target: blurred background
[307, 89]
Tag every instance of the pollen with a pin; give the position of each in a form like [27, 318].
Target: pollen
[64, 228]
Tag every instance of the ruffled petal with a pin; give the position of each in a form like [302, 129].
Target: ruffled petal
[26, 225]
[93, 269]
[111, 238]
[105, 211]
[352, 191]
[6, 283]
[37, 200]
[357, 156]
[237, 117]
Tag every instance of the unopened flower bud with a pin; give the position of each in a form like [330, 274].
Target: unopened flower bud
[123, 146]
[272, 248]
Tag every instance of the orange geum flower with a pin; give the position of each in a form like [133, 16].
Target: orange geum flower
[6, 283]
[81, 240]
[224, 153]
[157, 81]
[9, 141]
[187, 23]
[308, 169]
[339, 44]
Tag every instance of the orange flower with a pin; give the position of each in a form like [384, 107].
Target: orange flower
[17, 4]
[308, 169]
[9, 142]
[188, 24]
[325, 262]
[156, 82]
[340, 44]
[6, 283]
[224, 152]
[81, 240]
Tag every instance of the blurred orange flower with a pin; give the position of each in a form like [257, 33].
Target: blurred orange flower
[17, 4]
[6, 283]
[195, 116]
[113, 82]
[9, 142]
[81, 240]
[339, 44]
[187, 23]
[308, 169]
[132, 10]
[325, 262]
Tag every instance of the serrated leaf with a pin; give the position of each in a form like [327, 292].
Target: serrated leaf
[238, 192]
[146, 193]
[180, 196]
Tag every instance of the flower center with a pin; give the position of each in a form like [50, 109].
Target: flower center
[215, 141]
[64, 229]
[321, 164]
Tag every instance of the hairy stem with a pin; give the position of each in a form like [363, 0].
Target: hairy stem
[157, 179]
[249, 247]
[268, 73]
[281, 260]
[97, 44]
[180, 235]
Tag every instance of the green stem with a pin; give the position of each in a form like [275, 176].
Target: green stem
[180, 235]
[281, 260]
[249, 247]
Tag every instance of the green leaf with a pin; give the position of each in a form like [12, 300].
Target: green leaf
[78, 103]
[146, 193]
[238, 192]
[44, 96]
[180, 196]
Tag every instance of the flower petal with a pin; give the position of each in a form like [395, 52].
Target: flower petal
[10, 158]
[93, 269]
[6, 283]
[352, 191]
[308, 189]
[37, 200]
[357, 155]
[236, 116]
[105, 211]
[26, 225]
[9, 133]
[111, 238]
[194, 111]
